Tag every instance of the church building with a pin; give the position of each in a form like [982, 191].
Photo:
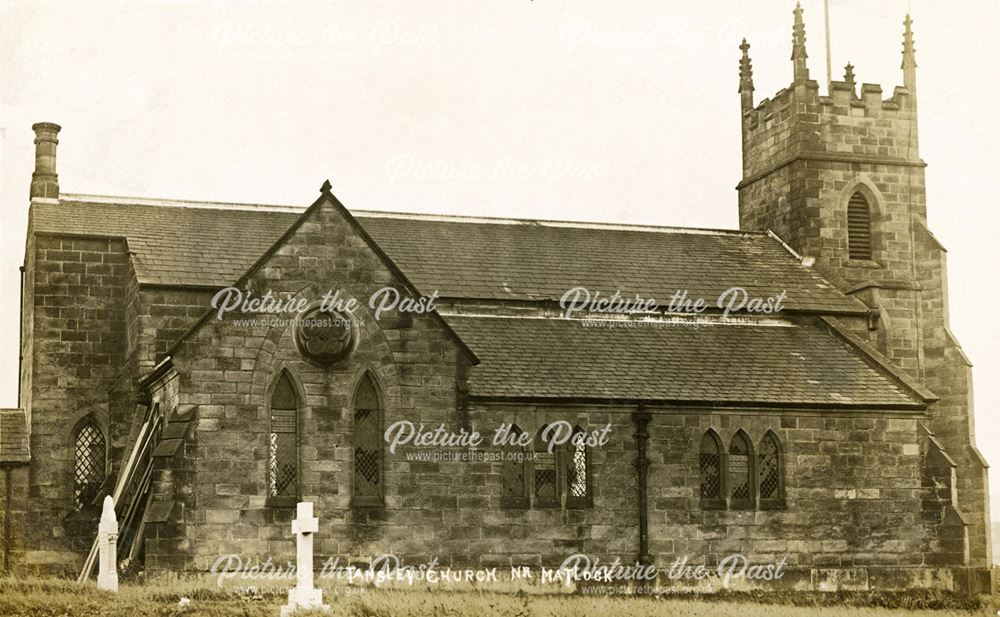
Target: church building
[826, 420]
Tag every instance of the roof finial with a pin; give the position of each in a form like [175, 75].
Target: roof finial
[746, 76]
[799, 54]
[849, 78]
[909, 58]
[327, 187]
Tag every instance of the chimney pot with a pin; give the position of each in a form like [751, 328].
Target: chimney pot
[44, 180]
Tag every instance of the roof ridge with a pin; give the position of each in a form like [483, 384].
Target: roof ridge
[645, 319]
[177, 203]
[501, 220]
[392, 214]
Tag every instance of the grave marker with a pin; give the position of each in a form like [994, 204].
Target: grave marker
[107, 546]
[304, 596]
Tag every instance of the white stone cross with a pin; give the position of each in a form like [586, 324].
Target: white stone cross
[107, 547]
[304, 596]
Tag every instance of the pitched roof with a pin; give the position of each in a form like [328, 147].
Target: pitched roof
[13, 436]
[191, 243]
[327, 197]
[682, 360]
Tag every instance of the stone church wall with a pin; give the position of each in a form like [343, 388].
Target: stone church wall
[75, 330]
[853, 495]
[166, 314]
[855, 505]
[227, 368]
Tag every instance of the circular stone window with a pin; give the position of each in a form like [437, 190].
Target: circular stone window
[325, 336]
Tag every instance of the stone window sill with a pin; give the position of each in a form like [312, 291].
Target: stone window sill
[367, 503]
[741, 505]
[547, 505]
[713, 504]
[282, 502]
[866, 264]
[514, 503]
[772, 504]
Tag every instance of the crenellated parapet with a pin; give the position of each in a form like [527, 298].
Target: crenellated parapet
[845, 120]
[842, 99]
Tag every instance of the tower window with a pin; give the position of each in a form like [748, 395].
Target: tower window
[859, 228]
[282, 446]
[89, 456]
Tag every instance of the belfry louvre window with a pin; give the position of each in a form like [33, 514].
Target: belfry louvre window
[710, 468]
[367, 487]
[282, 450]
[89, 456]
[859, 228]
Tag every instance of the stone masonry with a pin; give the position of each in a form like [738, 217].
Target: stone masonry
[804, 156]
[859, 381]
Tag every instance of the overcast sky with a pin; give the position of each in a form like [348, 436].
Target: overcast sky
[564, 109]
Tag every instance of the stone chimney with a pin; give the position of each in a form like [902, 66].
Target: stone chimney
[44, 180]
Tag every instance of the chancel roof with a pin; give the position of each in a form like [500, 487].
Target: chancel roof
[682, 360]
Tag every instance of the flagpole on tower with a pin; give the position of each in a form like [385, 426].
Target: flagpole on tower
[826, 18]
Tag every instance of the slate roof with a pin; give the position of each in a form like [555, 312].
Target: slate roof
[13, 436]
[473, 258]
[684, 361]
[780, 362]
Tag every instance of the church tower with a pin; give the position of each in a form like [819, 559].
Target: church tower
[839, 178]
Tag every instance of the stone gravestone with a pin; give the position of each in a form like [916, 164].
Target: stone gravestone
[107, 547]
[304, 596]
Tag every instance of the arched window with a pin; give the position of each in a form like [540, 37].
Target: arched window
[578, 481]
[738, 464]
[546, 481]
[710, 467]
[859, 227]
[514, 493]
[769, 481]
[283, 441]
[368, 477]
[89, 457]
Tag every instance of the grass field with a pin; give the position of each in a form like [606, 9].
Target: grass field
[38, 597]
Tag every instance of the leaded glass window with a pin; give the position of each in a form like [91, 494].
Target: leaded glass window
[513, 487]
[578, 468]
[367, 443]
[282, 448]
[769, 469]
[89, 457]
[740, 495]
[710, 467]
[546, 483]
